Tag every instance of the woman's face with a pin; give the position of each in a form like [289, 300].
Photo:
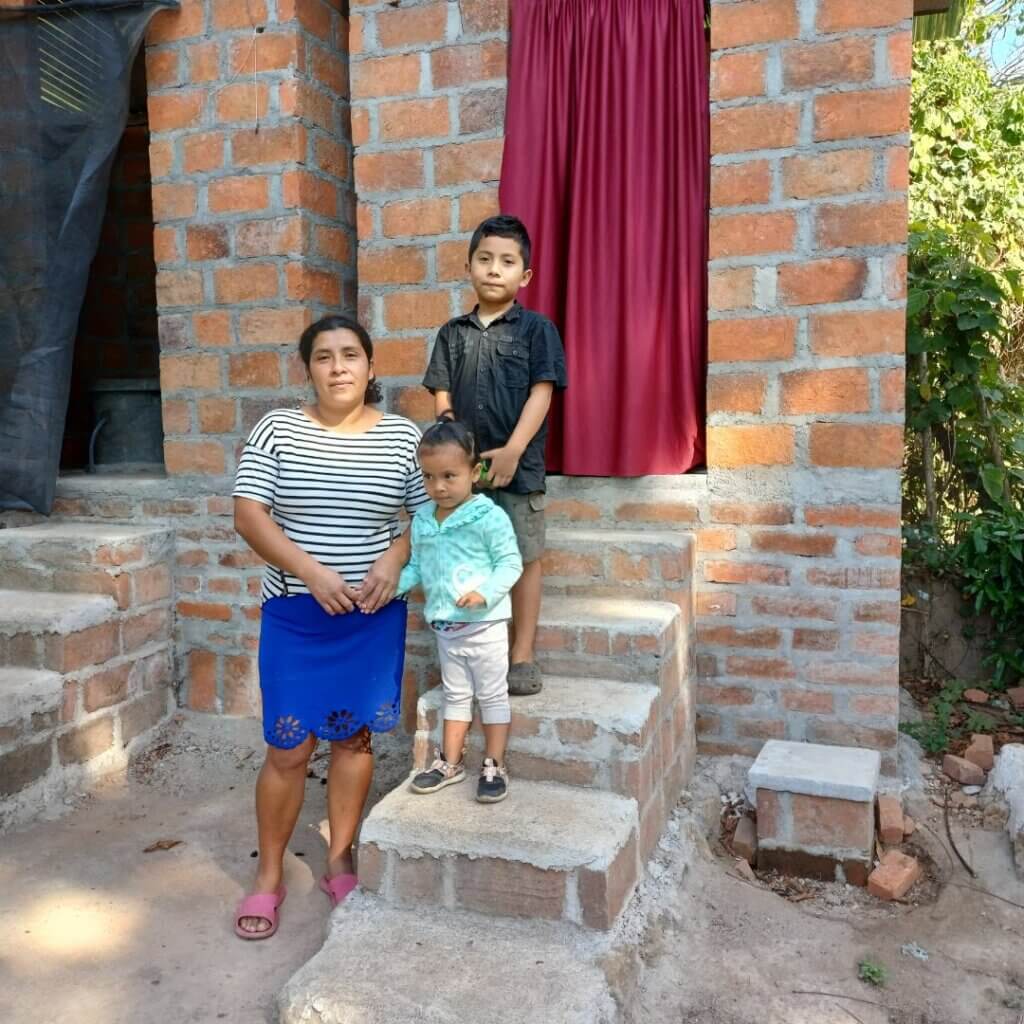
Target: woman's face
[339, 368]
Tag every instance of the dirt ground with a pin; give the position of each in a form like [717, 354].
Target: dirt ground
[97, 931]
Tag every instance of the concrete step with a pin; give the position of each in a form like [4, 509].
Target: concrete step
[666, 502]
[547, 851]
[131, 564]
[60, 632]
[30, 704]
[595, 733]
[611, 638]
[611, 563]
[515, 972]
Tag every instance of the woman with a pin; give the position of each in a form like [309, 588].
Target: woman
[317, 495]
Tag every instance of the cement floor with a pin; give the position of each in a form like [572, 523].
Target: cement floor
[95, 931]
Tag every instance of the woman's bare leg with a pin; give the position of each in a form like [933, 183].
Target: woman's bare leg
[280, 789]
[348, 784]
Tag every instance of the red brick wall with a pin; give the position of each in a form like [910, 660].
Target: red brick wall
[255, 236]
[798, 528]
[800, 601]
[428, 95]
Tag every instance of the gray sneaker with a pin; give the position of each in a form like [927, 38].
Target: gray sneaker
[493, 785]
[438, 775]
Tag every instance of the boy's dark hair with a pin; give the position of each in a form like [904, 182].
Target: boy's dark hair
[448, 430]
[503, 226]
[341, 322]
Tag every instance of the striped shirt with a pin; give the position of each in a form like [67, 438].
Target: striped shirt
[335, 495]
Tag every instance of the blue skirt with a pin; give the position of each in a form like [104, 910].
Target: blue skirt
[330, 675]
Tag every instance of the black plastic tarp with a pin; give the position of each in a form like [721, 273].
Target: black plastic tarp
[65, 71]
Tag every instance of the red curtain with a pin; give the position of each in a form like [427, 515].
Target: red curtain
[606, 162]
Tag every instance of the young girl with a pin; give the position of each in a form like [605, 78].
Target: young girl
[465, 556]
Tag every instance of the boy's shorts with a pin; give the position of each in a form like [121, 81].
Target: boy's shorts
[527, 514]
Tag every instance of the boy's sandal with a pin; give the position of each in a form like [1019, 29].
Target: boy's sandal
[338, 887]
[259, 904]
[524, 679]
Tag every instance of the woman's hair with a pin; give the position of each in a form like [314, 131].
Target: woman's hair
[448, 430]
[340, 322]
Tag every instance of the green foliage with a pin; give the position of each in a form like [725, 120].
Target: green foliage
[872, 972]
[990, 561]
[965, 337]
[935, 732]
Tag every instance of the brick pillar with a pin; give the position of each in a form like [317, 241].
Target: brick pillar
[800, 609]
[254, 236]
[428, 98]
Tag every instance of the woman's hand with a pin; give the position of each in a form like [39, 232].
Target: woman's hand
[471, 600]
[331, 591]
[381, 583]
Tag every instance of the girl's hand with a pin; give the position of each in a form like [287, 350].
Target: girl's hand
[381, 583]
[471, 600]
[504, 463]
[331, 591]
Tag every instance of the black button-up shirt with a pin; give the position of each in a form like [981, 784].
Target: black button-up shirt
[488, 371]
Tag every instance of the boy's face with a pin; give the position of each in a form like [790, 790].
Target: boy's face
[448, 475]
[497, 272]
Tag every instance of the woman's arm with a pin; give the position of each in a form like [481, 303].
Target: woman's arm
[254, 524]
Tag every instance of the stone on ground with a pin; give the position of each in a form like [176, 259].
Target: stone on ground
[959, 769]
[744, 840]
[1007, 778]
[974, 696]
[981, 752]
[383, 964]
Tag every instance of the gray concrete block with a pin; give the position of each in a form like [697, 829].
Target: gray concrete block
[448, 967]
[543, 824]
[814, 769]
[23, 611]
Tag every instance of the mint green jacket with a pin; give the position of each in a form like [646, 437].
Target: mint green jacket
[473, 549]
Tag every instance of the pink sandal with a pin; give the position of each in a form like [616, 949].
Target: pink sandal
[259, 904]
[338, 887]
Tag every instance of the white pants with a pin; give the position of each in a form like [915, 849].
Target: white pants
[475, 664]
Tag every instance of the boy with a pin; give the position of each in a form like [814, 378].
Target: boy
[496, 368]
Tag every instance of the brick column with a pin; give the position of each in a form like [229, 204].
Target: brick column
[254, 236]
[800, 605]
[428, 99]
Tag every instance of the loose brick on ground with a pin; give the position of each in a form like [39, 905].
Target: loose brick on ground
[890, 819]
[981, 752]
[967, 773]
[894, 876]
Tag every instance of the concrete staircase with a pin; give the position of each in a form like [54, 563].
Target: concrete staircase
[85, 655]
[597, 759]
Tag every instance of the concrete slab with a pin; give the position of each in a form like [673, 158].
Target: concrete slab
[627, 615]
[29, 691]
[544, 824]
[518, 972]
[23, 611]
[814, 769]
[636, 541]
[88, 531]
[610, 705]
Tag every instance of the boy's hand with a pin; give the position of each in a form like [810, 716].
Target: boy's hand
[504, 463]
[471, 600]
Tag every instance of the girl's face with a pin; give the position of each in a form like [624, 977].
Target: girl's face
[448, 475]
[339, 369]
